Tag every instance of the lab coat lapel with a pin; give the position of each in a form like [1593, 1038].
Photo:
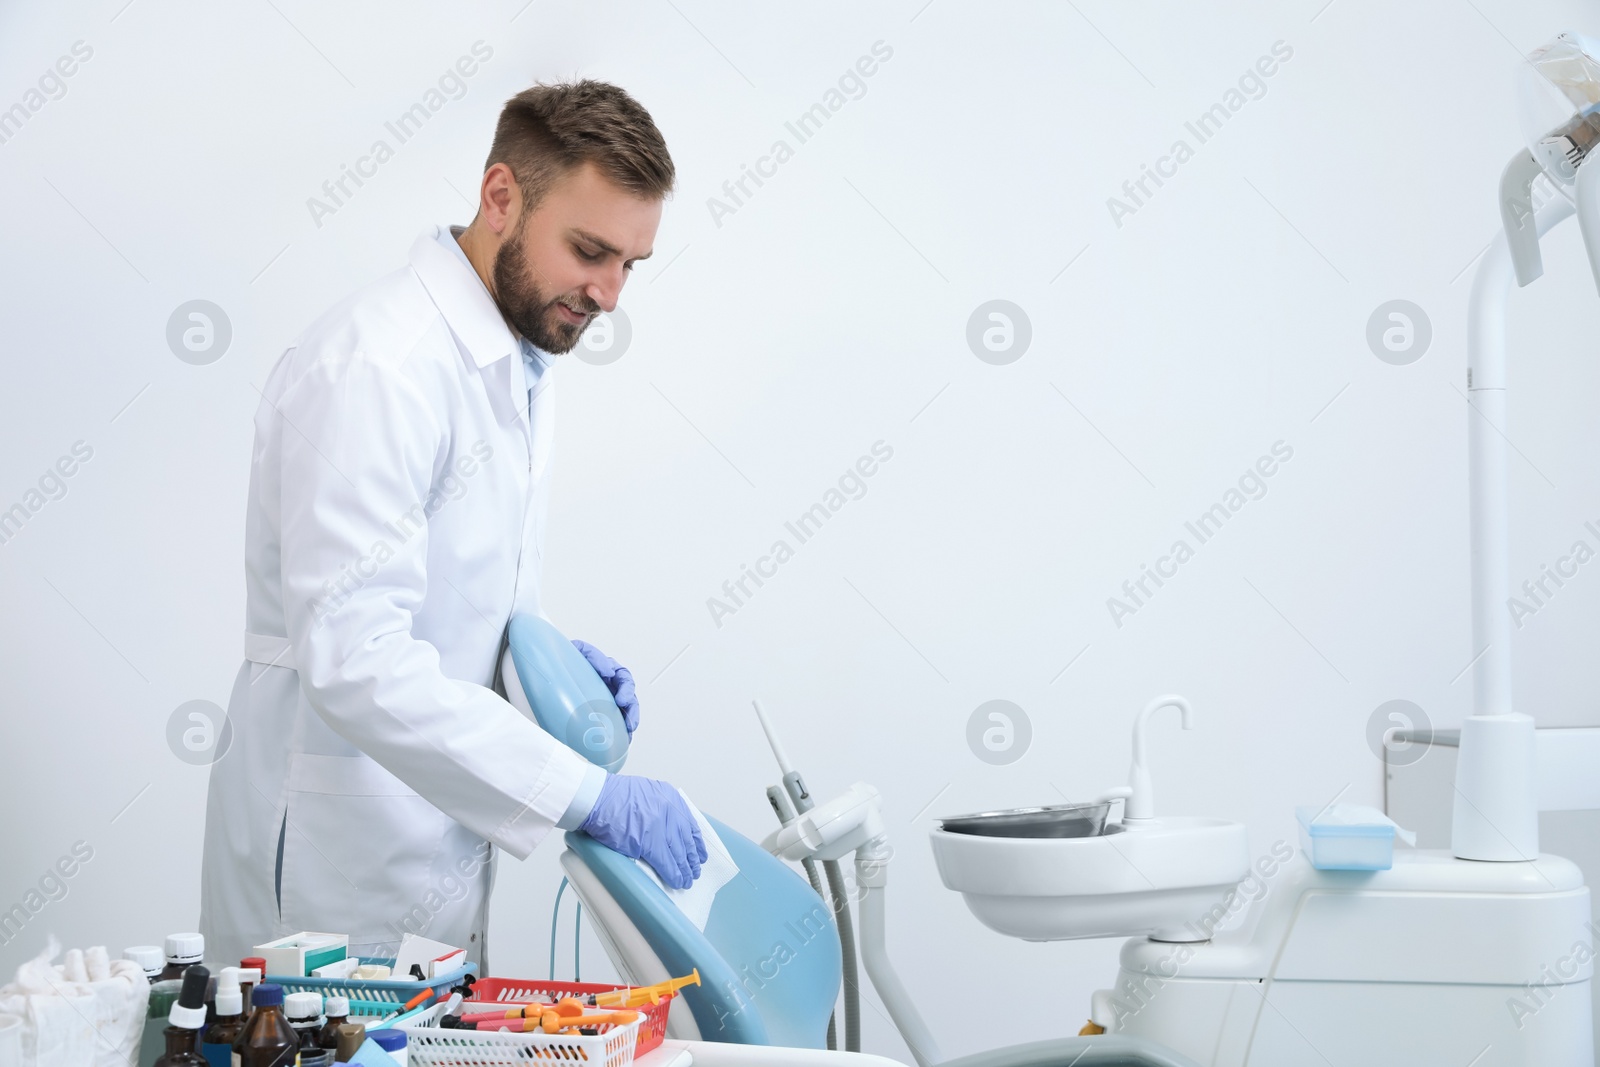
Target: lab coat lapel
[479, 328]
[463, 301]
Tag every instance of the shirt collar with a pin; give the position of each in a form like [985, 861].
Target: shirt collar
[461, 297]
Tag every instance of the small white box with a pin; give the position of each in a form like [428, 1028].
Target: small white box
[300, 954]
[337, 969]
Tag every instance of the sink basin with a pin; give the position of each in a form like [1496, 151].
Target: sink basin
[1155, 877]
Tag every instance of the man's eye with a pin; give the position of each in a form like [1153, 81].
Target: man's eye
[590, 257]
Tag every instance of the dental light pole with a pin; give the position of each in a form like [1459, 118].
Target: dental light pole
[1496, 815]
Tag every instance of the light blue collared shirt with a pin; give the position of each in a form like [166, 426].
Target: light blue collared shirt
[535, 362]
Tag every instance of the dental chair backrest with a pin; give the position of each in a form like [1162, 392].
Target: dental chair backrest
[548, 680]
[769, 956]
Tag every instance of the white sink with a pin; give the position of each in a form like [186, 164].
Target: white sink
[1156, 877]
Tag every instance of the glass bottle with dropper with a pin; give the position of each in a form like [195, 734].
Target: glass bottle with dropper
[188, 1015]
[216, 1044]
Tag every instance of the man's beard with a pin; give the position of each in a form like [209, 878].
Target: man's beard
[526, 307]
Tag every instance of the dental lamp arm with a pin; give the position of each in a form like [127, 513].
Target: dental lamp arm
[1587, 194]
[1519, 220]
[1495, 811]
[1517, 216]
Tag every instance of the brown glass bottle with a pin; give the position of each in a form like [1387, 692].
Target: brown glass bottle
[338, 1011]
[267, 1039]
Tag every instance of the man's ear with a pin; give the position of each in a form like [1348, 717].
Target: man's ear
[499, 199]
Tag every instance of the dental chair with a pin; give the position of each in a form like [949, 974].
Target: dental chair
[750, 992]
[770, 956]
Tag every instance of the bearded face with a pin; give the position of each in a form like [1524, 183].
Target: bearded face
[553, 322]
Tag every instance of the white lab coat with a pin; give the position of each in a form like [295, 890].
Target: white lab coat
[394, 524]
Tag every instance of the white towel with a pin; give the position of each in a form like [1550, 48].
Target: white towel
[717, 871]
[87, 1012]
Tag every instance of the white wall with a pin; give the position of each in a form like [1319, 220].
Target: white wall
[771, 348]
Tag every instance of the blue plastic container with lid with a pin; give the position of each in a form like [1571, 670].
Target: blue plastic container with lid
[1348, 837]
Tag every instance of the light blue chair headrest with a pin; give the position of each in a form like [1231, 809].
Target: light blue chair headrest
[566, 696]
[769, 956]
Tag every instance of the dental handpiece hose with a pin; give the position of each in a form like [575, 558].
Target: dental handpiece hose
[801, 797]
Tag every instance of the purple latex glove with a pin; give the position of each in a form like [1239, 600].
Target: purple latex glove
[618, 679]
[643, 818]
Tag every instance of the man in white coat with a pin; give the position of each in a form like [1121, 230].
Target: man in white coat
[397, 500]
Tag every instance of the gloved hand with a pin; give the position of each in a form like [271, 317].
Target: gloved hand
[646, 819]
[618, 679]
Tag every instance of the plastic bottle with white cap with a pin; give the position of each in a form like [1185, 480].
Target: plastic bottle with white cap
[305, 1016]
[183, 952]
[148, 957]
[217, 1042]
[393, 1040]
[337, 1010]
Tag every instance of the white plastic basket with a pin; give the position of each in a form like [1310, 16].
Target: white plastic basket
[429, 1046]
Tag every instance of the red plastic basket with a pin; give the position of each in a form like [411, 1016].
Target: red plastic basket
[491, 991]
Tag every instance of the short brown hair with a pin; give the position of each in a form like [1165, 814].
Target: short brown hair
[548, 130]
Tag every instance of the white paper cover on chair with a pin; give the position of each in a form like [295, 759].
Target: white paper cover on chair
[718, 870]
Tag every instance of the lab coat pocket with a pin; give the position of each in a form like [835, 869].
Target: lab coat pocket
[358, 845]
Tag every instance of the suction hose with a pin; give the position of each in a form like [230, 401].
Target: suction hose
[839, 893]
[785, 813]
[847, 951]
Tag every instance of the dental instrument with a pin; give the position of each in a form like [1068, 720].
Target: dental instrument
[800, 798]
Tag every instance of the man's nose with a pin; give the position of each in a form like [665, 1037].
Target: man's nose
[605, 288]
